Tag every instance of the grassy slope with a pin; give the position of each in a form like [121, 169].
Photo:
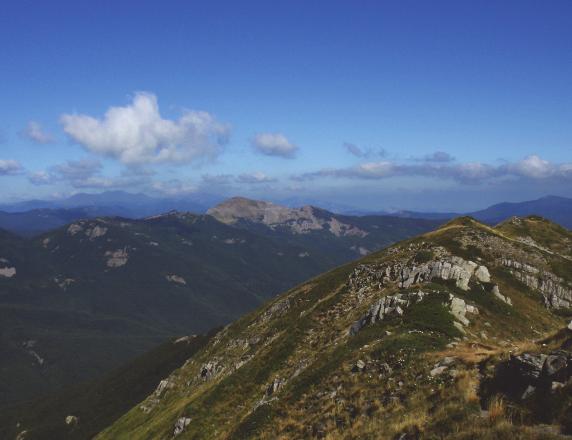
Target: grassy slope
[309, 347]
[109, 315]
[98, 403]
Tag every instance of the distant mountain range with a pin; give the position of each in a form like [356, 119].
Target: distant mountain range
[36, 216]
[554, 208]
[80, 299]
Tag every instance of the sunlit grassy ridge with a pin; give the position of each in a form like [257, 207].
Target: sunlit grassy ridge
[321, 394]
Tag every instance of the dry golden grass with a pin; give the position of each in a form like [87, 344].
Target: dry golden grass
[467, 385]
[497, 410]
[469, 353]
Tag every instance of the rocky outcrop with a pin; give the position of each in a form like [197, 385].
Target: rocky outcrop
[395, 305]
[64, 283]
[117, 258]
[7, 272]
[163, 386]
[555, 291]
[74, 229]
[210, 369]
[406, 274]
[72, 420]
[496, 292]
[91, 231]
[275, 386]
[275, 310]
[95, 232]
[176, 279]
[180, 425]
[528, 366]
[524, 374]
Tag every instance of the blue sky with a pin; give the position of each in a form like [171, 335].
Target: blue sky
[442, 105]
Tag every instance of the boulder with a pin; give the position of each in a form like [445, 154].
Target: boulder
[528, 392]
[72, 420]
[181, 424]
[210, 370]
[482, 274]
[274, 386]
[437, 371]
[496, 292]
[358, 367]
[528, 366]
[556, 366]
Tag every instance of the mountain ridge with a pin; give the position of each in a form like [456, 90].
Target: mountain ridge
[389, 346]
[91, 294]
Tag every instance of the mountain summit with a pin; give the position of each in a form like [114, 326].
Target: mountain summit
[297, 220]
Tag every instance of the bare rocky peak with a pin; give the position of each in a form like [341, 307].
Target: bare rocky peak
[299, 220]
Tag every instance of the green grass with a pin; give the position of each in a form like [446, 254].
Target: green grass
[431, 314]
[99, 403]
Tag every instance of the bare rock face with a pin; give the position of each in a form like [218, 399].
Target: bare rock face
[95, 232]
[180, 425]
[406, 274]
[298, 220]
[7, 272]
[163, 386]
[90, 230]
[554, 290]
[74, 229]
[117, 258]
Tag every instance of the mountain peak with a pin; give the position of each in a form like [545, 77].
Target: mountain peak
[463, 221]
[297, 220]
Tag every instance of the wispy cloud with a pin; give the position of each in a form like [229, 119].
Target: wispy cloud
[10, 167]
[531, 167]
[256, 177]
[363, 153]
[245, 178]
[438, 157]
[34, 132]
[87, 173]
[174, 187]
[138, 134]
[274, 144]
[217, 179]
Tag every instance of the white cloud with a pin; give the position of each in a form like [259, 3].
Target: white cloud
[138, 134]
[531, 167]
[41, 178]
[274, 144]
[87, 173]
[256, 177]
[9, 167]
[34, 132]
